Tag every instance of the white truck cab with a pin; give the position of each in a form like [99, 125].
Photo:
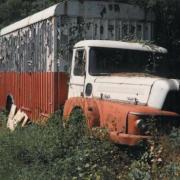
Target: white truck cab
[120, 86]
[121, 71]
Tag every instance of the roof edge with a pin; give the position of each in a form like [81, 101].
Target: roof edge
[121, 45]
[39, 16]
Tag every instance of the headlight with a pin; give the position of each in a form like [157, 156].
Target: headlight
[141, 124]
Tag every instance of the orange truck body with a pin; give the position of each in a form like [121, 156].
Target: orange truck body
[120, 119]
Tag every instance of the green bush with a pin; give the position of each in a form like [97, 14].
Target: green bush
[69, 151]
[56, 151]
[160, 161]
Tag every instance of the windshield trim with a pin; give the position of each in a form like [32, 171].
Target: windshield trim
[143, 73]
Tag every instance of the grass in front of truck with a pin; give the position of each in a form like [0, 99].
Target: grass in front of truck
[56, 151]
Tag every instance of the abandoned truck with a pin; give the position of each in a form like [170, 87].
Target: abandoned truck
[118, 85]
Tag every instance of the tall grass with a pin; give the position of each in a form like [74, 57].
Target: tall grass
[58, 151]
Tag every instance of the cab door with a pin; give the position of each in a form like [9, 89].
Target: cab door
[77, 79]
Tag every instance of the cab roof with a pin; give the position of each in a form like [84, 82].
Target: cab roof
[121, 45]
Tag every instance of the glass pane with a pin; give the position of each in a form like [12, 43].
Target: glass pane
[110, 61]
[79, 67]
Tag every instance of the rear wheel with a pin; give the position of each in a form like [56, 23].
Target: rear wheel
[9, 103]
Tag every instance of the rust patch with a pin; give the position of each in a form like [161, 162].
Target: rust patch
[120, 119]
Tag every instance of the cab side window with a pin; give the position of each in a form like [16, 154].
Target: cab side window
[79, 66]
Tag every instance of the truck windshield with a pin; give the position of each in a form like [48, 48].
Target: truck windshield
[109, 61]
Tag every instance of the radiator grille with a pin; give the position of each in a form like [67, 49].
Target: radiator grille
[172, 102]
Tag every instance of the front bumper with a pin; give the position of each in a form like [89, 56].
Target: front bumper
[127, 139]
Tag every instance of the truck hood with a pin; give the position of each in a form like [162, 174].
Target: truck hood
[128, 89]
[161, 90]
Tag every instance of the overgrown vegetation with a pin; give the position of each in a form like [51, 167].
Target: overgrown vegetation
[59, 151]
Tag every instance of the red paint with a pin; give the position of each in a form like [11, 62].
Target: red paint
[120, 119]
[37, 93]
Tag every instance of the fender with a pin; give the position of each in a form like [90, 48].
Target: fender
[119, 118]
[89, 107]
[99, 112]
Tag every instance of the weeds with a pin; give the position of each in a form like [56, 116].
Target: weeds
[160, 161]
[58, 151]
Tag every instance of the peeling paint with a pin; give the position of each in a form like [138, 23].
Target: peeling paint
[34, 47]
[28, 49]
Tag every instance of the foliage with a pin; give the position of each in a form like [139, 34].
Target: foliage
[56, 151]
[161, 161]
[13, 10]
[69, 151]
[167, 19]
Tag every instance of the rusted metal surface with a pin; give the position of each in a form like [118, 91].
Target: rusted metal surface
[38, 94]
[102, 9]
[120, 119]
[127, 139]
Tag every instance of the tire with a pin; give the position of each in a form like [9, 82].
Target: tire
[9, 103]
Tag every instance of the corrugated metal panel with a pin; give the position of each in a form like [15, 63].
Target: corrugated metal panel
[60, 89]
[29, 49]
[38, 94]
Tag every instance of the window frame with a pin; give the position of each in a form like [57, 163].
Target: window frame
[84, 56]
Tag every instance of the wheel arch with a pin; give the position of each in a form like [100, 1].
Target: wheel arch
[9, 102]
[89, 108]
